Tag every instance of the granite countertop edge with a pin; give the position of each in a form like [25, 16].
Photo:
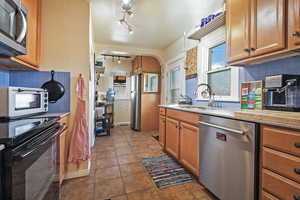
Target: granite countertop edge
[232, 114]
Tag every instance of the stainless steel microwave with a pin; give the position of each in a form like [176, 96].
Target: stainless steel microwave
[13, 28]
[18, 102]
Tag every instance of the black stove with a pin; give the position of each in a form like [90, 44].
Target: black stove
[16, 132]
[30, 149]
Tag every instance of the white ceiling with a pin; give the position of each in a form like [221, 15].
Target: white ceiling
[157, 23]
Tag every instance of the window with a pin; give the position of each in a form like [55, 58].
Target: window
[175, 81]
[223, 79]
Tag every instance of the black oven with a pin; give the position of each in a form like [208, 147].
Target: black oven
[13, 28]
[30, 171]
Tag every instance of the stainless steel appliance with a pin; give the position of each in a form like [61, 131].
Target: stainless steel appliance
[13, 28]
[282, 92]
[17, 102]
[136, 90]
[30, 159]
[229, 158]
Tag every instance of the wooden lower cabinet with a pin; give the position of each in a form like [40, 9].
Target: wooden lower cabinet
[181, 138]
[172, 137]
[189, 147]
[62, 155]
[162, 130]
[280, 163]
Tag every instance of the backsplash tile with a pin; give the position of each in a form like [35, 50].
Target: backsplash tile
[252, 73]
[36, 79]
[4, 77]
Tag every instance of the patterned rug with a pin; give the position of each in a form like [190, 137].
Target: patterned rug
[165, 171]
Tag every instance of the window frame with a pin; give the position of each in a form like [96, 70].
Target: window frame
[211, 40]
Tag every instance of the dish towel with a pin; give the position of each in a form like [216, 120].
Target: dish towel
[79, 146]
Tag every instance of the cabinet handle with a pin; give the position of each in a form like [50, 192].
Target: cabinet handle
[296, 196]
[247, 50]
[297, 145]
[297, 171]
[252, 49]
[296, 33]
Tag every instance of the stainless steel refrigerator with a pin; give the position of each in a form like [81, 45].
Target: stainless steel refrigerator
[136, 90]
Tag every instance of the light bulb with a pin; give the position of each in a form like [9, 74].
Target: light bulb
[126, 1]
[130, 31]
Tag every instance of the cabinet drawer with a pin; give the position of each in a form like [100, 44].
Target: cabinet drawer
[279, 186]
[162, 111]
[267, 196]
[283, 164]
[281, 139]
[191, 118]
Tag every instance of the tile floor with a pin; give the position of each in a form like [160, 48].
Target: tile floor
[118, 174]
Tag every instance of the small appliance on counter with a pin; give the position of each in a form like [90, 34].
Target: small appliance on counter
[18, 102]
[282, 92]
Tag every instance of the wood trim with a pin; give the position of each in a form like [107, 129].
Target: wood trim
[268, 196]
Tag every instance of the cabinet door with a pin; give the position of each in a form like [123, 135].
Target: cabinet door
[33, 33]
[172, 137]
[238, 29]
[294, 23]
[189, 147]
[162, 130]
[267, 26]
[62, 155]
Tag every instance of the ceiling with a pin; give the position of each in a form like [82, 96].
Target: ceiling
[157, 23]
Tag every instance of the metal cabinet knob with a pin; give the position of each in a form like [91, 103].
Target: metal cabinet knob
[297, 145]
[247, 50]
[296, 33]
[297, 171]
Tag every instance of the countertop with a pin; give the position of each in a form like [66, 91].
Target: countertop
[276, 118]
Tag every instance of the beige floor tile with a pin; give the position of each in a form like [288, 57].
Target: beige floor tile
[131, 169]
[150, 194]
[106, 163]
[126, 159]
[109, 188]
[137, 182]
[107, 173]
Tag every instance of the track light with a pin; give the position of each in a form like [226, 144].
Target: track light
[119, 60]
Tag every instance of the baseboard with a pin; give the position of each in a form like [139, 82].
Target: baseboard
[79, 173]
[122, 124]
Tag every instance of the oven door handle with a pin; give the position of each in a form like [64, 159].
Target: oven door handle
[25, 154]
[223, 128]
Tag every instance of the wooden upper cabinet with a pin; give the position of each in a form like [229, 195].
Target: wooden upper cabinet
[268, 30]
[294, 24]
[238, 29]
[33, 33]
[189, 147]
[172, 137]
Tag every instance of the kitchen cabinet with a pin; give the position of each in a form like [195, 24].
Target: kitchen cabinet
[280, 163]
[294, 24]
[182, 138]
[162, 127]
[145, 64]
[62, 149]
[260, 31]
[267, 19]
[33, 40]
[238, 29]
[189, 147]
[172, 137]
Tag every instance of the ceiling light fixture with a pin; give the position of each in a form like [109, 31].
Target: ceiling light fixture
[119, 60]
[126, 9]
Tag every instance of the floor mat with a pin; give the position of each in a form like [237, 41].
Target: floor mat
[165, 171]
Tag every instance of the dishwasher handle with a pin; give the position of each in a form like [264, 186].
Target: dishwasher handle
[223, 128]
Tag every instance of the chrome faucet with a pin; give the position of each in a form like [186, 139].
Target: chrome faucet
[211, 97]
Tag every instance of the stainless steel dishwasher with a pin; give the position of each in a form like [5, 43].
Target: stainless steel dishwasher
[229, 158]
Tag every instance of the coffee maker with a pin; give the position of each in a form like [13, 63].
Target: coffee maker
[282, 92]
